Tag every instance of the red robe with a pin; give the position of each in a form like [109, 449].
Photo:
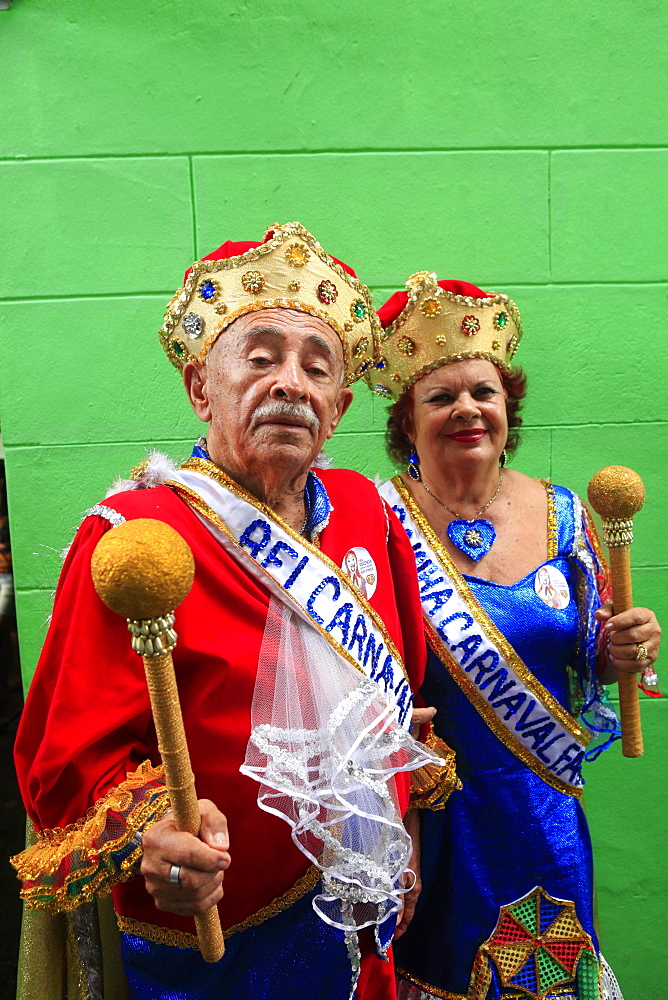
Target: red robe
[87, 719]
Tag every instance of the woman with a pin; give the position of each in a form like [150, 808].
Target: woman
[510, 573]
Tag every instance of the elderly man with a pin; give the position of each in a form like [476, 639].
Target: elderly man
[295, 680]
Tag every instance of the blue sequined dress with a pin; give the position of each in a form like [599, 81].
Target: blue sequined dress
[506, 831]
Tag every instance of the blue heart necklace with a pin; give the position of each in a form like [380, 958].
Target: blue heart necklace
[473, 537]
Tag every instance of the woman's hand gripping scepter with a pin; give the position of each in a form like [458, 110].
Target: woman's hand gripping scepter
[617, 494]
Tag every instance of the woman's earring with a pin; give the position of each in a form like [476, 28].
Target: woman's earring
[413, 463]
[503, 458]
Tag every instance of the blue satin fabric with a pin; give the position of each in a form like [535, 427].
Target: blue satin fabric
[506, 830]
[294, 954]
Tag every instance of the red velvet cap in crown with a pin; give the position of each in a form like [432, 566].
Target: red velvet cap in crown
[436, 322]
[287, 270]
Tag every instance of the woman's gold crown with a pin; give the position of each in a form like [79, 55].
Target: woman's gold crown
[436, 326]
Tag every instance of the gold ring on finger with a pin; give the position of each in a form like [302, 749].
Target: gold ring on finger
[641, 652]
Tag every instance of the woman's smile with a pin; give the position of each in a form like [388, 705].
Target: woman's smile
[470, 436]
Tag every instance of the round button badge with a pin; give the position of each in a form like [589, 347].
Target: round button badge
[360, 568]
[552, 587]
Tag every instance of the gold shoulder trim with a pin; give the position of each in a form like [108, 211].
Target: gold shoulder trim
[182, 939]
[552, 530]
[432, 785]
[280, 903]
[483, 619]
[158, 935]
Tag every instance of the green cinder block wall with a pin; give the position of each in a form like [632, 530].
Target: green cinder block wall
[522, 147]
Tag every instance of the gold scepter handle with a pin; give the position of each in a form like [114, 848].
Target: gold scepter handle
[143, 569]
[616, 494]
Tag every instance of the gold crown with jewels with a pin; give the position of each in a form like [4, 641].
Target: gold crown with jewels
[290, 270]
[437, 326]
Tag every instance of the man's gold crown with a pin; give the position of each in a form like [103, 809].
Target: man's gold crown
[289, 271]
[436, 327]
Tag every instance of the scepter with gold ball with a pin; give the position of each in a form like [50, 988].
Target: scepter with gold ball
[142, 569]
[617, 494]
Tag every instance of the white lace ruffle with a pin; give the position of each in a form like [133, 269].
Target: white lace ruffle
[325, 747]
[609, 986]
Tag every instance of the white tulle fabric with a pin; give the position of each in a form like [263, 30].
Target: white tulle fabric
[609, 985]
[325, 747]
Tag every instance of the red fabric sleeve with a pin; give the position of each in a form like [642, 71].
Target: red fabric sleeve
[68, 752]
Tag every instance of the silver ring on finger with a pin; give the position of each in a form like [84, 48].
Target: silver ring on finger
[175, 876]
[641, 652]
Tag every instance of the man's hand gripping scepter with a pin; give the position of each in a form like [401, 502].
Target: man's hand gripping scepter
[142, 570]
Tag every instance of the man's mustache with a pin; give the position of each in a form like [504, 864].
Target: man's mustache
[279, 408]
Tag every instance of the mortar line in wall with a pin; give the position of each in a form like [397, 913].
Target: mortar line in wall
[596, 425]
[157, 441]
[92, 297]
[549, 214]
[185, 441]
[327, 151]
[193, 205]
[86, 298]
[34, 590]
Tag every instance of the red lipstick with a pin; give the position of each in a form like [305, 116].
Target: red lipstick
[469, 437]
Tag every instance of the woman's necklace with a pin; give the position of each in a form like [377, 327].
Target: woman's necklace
[472, 536]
